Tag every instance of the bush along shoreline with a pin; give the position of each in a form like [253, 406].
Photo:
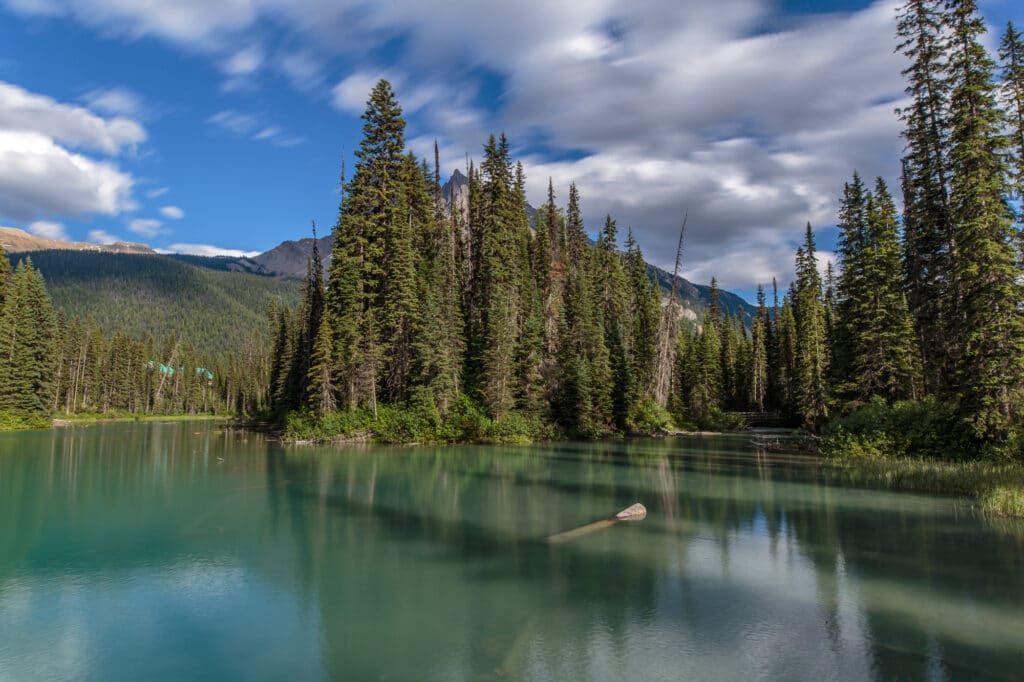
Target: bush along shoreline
[920, 446]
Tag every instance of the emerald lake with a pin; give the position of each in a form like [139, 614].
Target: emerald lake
[195, 551]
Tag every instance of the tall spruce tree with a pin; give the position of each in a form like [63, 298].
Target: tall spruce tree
[500, 280]
[645, 304]
[758, 392]
[366, 227]
[886, 358]
[933, 294]
[811, 360]
[1011, 54]
[990, 364]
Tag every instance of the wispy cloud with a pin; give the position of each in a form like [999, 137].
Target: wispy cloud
[103, 237]
[208, 250]
[115, 101]
[253, 126]
[147, 227]
[172, 212]
[48, 230]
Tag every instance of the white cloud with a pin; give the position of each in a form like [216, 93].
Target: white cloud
[158, 192]
[234, 122]
[172, 212]
[23, 111]
[198, 24]
[48, 230]
[118, 101]
[245, 62]
[249, 125]
[267, 133]
[102, 237]
[209, 250]
[147, 227]
[301, 69]
[351, 93]
[37, 176]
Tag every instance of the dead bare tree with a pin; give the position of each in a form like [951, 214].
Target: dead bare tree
[669, 332]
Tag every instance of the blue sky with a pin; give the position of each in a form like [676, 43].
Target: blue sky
[217, 125]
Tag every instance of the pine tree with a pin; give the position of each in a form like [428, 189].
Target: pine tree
[705, 375]
[585, 368]
[321, 386]
[612, 285]
[885, 353]
[930, 244]
[1011, 53]
[5, 276]
[759, 354]
[645, 304]
[811, 351]
[365, 226]
[28, 332]
[990, 365]
[499, 280]
[398, 301]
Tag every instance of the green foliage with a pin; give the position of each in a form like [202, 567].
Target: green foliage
[419, 423]
[989, 377]
[647, 417]
[878, 429]
[10, 421]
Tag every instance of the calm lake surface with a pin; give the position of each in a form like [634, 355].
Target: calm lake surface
[191, 551]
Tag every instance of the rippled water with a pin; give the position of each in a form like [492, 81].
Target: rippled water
[191, 551]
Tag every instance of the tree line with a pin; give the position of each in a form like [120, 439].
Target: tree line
[52, 365]
[433, 307]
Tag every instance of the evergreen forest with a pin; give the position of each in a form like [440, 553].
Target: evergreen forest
[441, 321]
[55, 365]
[471, 323]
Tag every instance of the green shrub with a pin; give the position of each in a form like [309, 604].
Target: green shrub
[466, 422]
[717, 420]
[647, 417]
[10, 421]
[924, 428]
[516, 428]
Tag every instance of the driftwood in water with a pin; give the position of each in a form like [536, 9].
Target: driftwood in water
[637, 512]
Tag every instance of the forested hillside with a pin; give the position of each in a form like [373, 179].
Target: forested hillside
[159, 295]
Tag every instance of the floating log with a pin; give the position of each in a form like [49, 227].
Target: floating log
[636, 512]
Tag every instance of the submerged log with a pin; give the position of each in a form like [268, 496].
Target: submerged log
[636, 512]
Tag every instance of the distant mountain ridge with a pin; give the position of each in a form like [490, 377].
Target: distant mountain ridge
[14, 240]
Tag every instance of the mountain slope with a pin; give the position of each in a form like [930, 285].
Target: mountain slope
[14, 240]
[215, 310]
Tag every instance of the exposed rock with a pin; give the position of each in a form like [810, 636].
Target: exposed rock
[289, 259]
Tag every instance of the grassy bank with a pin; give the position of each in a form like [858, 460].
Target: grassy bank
[919, 446]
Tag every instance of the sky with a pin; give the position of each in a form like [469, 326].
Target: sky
[218, 126]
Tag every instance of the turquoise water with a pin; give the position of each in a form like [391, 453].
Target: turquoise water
[191, 551]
